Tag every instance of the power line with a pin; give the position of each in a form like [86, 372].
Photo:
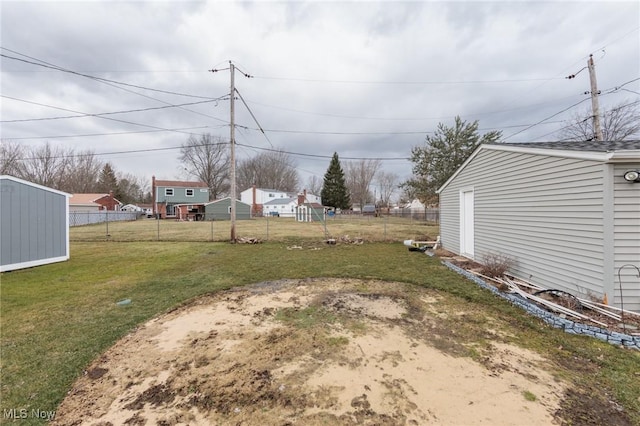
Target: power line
[297, 154]
[99, 114]
[177, 130]
[106, 81]
[407, 83]
[545, 119]
[254, 117]
[92, 77]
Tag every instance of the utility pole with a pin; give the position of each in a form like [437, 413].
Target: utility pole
[232, 145]
[233, 153]
[595, 109]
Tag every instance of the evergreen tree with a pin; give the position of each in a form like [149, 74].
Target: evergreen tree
[107, 181]
[334, 190]
[441, 156]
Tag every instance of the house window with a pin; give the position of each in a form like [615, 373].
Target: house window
[189, 192]
[168, 192]
[271, 195]
[229, 209]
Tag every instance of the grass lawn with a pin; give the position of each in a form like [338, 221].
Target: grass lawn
[56, 318]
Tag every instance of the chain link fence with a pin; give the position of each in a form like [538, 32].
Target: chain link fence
[343, 227]
[103, 216]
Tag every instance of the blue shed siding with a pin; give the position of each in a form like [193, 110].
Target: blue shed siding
[33, 223]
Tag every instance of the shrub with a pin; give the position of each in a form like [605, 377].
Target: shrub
[495, 264]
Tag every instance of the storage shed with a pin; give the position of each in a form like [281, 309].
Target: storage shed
[221, 210]
[568, 213]
[34, 224]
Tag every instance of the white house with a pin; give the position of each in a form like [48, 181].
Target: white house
[567, 212]
[283, 207]
[263, 201]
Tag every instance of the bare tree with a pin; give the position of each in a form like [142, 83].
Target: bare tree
[11, 155]
[621, 122]
[359, 176]
[388, 183]
[82, 173]
[273, 169]
[131, 188]
[207, 159]
[314, 185]
[46, 165]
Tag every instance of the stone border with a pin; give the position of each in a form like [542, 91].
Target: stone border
[555, 321]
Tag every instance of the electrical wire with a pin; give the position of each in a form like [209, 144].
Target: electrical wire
[177, 130]
[98, 114]
[45, 64]
[407, 83]
[105, 81]
[545, 119]
[253, 116]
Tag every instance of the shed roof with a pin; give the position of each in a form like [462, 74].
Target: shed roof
[35, 185]
[603, 151]
[224, 199]
[586, 146]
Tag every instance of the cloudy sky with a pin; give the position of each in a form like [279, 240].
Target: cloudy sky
[363, 79]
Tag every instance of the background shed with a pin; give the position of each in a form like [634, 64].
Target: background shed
[221, 210]
[34, 224]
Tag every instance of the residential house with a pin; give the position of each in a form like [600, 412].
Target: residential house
[178, 199]
[258, 197]
[94, 202]
[34, 224]
[568, 213]
[273, 202]
[282, 207]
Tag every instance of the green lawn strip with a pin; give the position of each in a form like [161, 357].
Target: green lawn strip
[57, 318]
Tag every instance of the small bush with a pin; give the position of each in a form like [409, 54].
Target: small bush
[495, 264]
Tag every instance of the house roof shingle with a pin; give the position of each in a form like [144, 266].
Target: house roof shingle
[589, 146]
[86, 198]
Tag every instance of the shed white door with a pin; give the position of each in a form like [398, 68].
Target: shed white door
[466, 223]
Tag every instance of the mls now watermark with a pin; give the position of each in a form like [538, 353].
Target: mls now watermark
[23, 413]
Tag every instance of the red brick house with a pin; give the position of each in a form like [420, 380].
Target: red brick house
[94, 202]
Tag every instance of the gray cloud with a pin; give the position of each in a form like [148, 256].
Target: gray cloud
[368, 73]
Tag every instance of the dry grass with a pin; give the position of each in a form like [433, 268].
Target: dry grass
[266, 229]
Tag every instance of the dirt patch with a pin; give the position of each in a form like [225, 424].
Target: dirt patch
[310, 352]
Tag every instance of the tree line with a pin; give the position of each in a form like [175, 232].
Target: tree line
[75, 172]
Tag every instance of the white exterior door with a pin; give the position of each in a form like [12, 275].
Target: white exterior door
[466, 223]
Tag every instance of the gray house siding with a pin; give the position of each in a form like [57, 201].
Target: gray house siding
[627, 237]
[544, 211]
[219, 210]
[33, 224]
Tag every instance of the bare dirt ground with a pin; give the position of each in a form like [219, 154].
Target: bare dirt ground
[309, 352]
